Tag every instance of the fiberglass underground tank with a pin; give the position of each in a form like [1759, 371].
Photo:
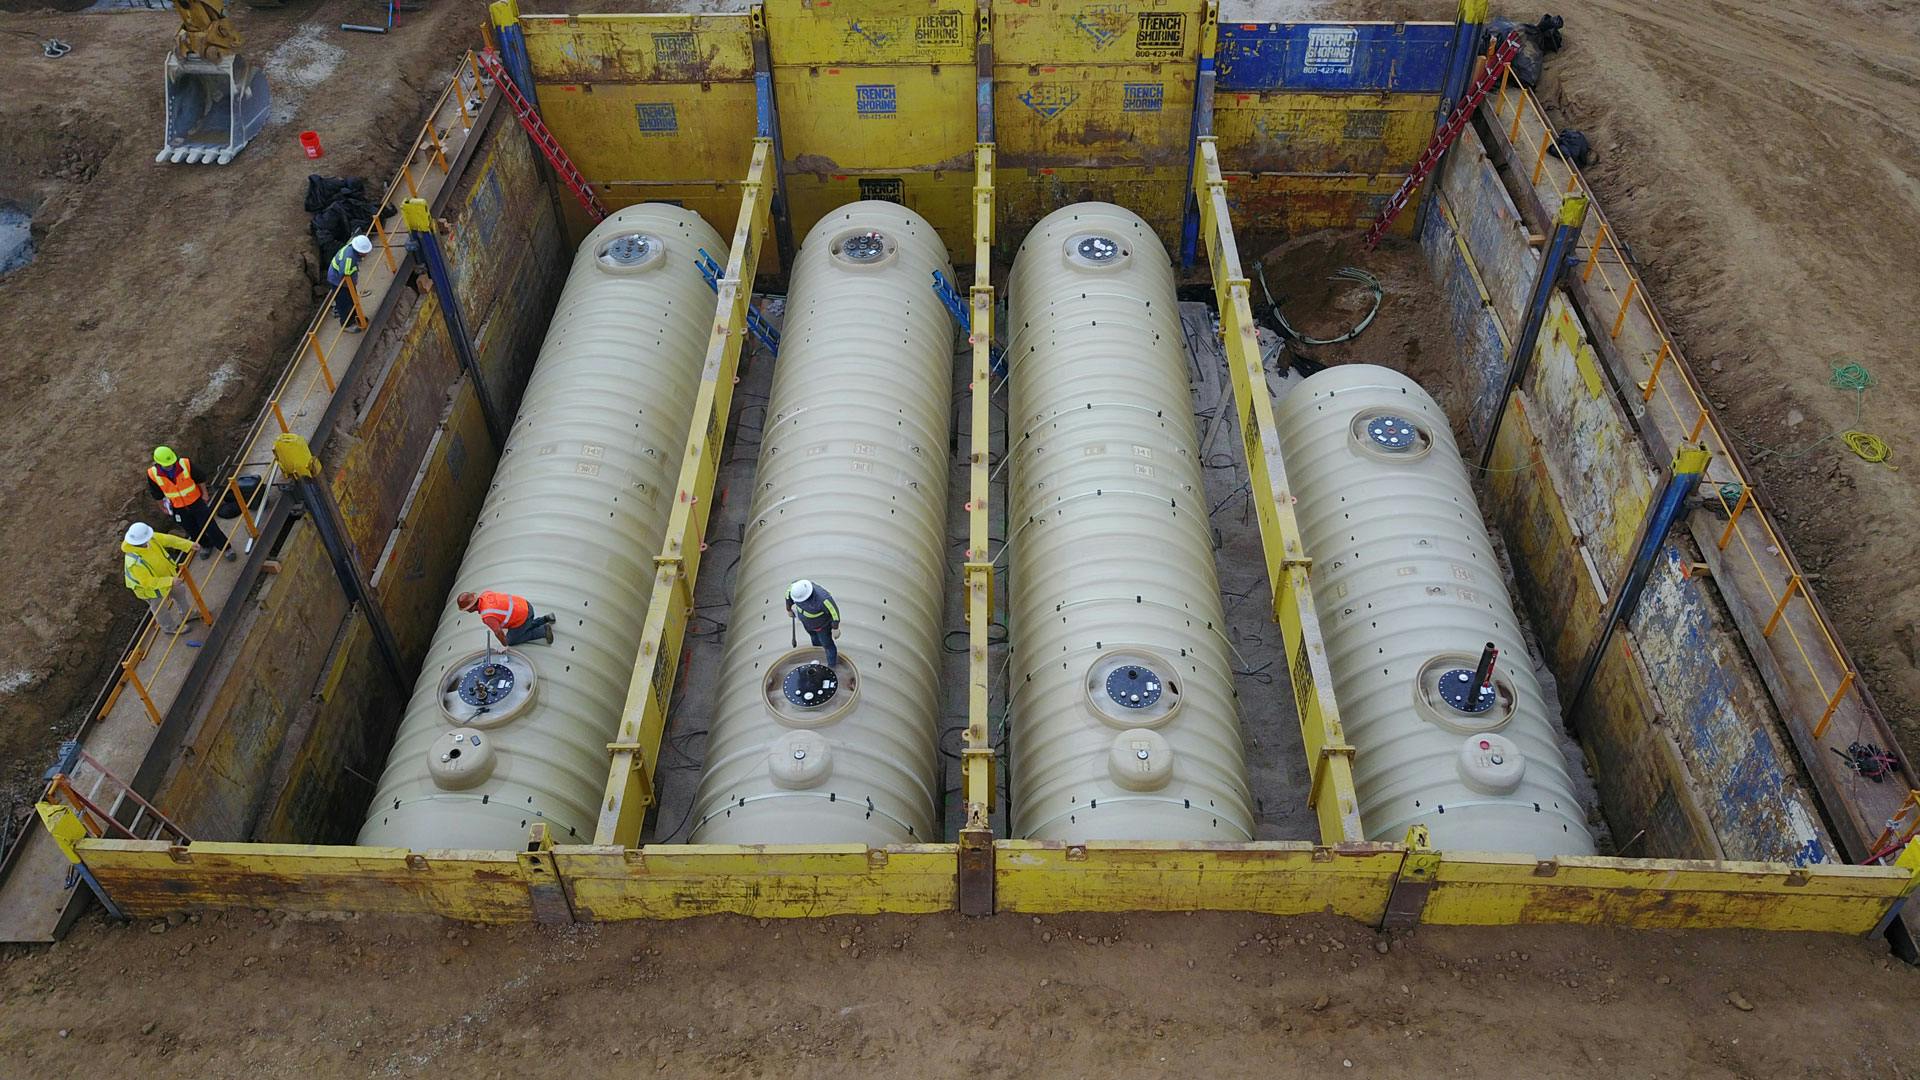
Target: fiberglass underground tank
[851, 493]
[1124, 724]
[572, 521]
[1409, 593]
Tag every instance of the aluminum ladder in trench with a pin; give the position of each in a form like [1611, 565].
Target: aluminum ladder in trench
[537, 130]
[99, 798]
[1456, 122]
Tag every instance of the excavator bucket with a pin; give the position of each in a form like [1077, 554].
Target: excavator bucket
[214, 107]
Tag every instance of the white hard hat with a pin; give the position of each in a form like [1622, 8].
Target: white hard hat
[800, 590]
[139, 533]
[361, 244]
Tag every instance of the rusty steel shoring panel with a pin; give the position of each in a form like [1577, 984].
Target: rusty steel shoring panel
[643, 719]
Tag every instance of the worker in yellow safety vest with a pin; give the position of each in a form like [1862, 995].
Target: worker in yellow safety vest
[170, 479]
[152, 575]
[344, 271]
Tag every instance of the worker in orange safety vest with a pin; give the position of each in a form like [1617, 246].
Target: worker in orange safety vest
[510, 617]
[170, 479]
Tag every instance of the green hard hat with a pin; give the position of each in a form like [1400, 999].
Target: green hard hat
[164, 456]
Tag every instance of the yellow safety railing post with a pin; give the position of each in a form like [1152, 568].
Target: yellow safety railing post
[1653, 377]
[193, 589]
[1779, 609]
[1593, 255]
[386, 248]
[1329, 757]
[246, 512]
[643, 716]
[132, 676]
[353, 293]
[1833, 704]
[313, 340]
[1733, 517]
[1620, 320]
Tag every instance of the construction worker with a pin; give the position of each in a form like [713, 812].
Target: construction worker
[153, 577]
[170, 480]
[345, 267]
[510, 617]
[819, 615]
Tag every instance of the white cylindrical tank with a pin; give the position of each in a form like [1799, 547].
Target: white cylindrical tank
[851, 493]
[1124, 724]
[572, 521]
[1409, 591]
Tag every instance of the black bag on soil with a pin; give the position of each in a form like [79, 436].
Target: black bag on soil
[1573, 145]
[341, 208]
[1536, 40]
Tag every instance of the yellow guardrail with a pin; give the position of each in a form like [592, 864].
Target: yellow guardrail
[1525, 123]
[427, 154]
[643, 717]
[1329, 758]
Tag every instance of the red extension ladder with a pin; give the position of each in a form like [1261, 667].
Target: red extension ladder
[537, 129]
[1457, 121]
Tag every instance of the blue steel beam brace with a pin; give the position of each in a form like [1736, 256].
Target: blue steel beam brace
[1202, 126]
[767, 114]
[956, 306]
[1471, 24]
[513, 47]
[757, 323]
[983, 73]
[296, 460]
[1566, 236]
[1689, 465]
[425, 241]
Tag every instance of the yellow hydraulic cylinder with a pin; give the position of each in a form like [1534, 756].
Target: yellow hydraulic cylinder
[1124, 725]
[850, 493]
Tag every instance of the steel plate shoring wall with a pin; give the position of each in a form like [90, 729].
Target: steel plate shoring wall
[494, 742]
[1124, 723]
[1409, 592]
[851, 493]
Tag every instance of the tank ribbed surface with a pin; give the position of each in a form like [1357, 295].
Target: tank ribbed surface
[1124, 724]
[851, 493]
[1408, 590]
[575, 514]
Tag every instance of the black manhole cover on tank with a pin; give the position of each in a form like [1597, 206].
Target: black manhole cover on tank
[810, 685]
[865, 247]
[486, 683]
[1392, 433]
[1457, 690]
[1098, 248]
[629, 250]
[1133, 687]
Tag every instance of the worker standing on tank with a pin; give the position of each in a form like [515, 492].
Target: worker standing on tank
[151, 574]
[170, 480]
[818, 614]
[344, 271]
[510, 617]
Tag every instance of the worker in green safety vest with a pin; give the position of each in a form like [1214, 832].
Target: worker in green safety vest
[343, 272]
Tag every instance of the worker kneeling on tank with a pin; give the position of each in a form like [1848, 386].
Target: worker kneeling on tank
[510, 617]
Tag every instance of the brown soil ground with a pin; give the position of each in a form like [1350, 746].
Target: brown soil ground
[1763, 159]
[1188, 995]
[1763, 164]
[163, 302]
